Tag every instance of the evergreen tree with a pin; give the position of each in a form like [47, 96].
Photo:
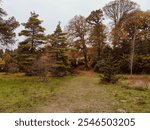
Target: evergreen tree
[25, 57]
[108, 67]
[7, 28]
[2, 12]
[33, 31]
[60, 63]
[27, 50]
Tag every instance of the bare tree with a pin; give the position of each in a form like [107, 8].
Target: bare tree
[117, 8]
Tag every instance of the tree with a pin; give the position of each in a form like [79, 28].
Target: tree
[7, 28]
[134, 26]
[108, 67]
[60, 63]
[97, 32]
[11, 65]
[25, 57]
[117, 8]
[78, 31]
[2, 62]
[27, 50]
[33, 32]
[2, 12]
[41, 67]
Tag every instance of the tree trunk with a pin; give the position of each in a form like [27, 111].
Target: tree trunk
[132, 54]
[32, 40]
[85, 54]
[99, 52]
[99, 42]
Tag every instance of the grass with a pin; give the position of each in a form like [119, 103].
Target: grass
[19, 93]
[81, 93]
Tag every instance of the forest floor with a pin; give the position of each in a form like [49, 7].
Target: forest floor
[79, 93]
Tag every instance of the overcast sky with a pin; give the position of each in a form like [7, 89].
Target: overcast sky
[52, 11]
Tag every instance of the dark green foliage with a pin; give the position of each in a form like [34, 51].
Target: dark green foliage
[142, 51]
[27, 50]
[2, 62]
[109, 68]
[142, 64]
[25, 57]
[84, 46]
[7, 28]
[60, 62]
[122, 55]
[33, 31]
[123, 62]
[143, 47]
[107, 50]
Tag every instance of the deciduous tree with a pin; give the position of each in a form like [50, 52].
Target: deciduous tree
[78, 31]
[117, 8]
[97, 34]
[134, 26]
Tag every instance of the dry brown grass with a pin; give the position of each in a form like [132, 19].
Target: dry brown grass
[86, 73]
[138, 82]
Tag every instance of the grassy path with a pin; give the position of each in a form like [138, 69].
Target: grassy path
[79, 94]
[83, 93]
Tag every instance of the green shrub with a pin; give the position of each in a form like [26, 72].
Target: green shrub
[109, 68]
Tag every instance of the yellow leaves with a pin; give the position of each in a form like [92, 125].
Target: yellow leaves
[2, 62]
[136, 22]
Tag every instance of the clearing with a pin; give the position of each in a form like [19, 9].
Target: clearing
[80, 93]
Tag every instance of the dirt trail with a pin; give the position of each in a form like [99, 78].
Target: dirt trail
[79, 94]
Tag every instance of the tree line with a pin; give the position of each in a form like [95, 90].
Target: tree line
[85, 43]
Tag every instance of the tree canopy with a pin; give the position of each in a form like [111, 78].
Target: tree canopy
[87, 42]
[7, 29]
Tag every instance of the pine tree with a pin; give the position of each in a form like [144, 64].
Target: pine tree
[27, 50]
[25, 57]
[108, 67]
[33, 31]
[60, 63]
[7, 28]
